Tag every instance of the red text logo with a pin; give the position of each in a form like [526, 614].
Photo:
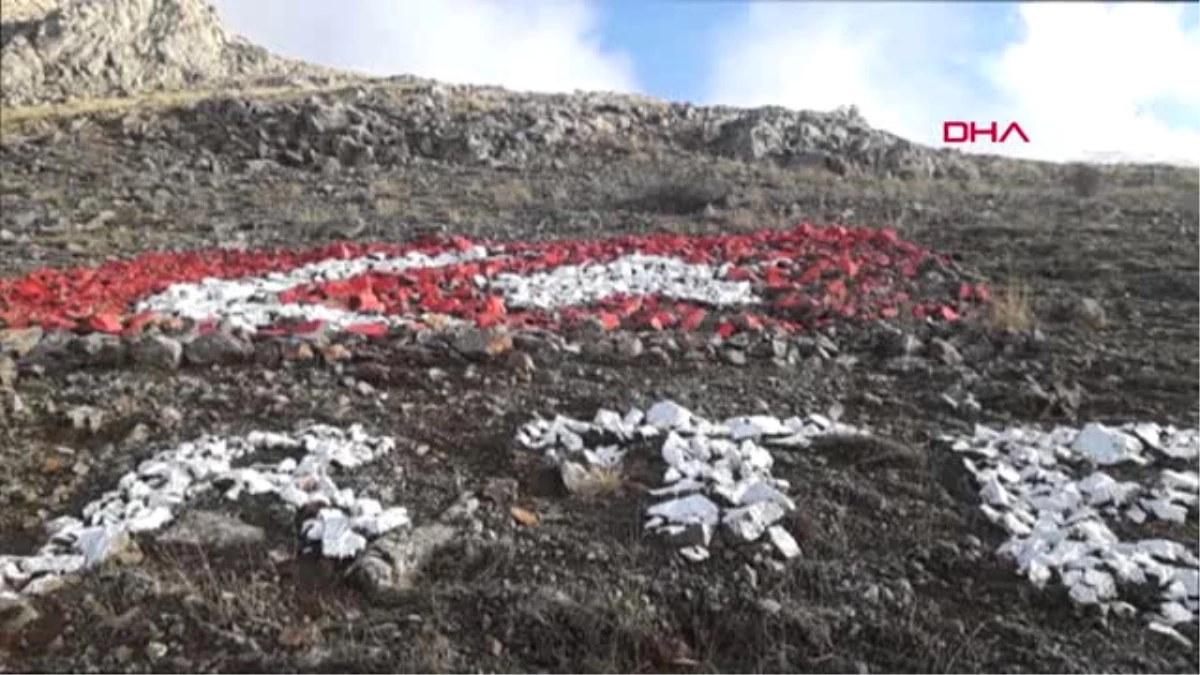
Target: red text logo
[968, 132]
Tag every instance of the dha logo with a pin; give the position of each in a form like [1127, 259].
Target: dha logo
[969, 132]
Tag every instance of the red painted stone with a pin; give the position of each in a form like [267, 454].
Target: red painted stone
[812, 276]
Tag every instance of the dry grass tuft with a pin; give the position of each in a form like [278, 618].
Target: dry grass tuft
[1012, 307]
[14, 119]
[593, 481]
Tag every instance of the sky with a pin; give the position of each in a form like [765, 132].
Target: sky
[1082, 80]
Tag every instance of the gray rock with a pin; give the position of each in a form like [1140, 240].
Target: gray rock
[16, 613]
[99, 349]
[393, 562]
[19, 341]
[210, 529]
[945, 351]
[891, 342]
[734, 357]
[8, 372]
[86, 418]
[1091, 313]
[157, 351]
[501, 491]
[630, 346]
[216, 348]
[92, 49]
[480, 344]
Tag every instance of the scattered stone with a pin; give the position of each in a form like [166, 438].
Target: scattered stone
[156, 650]
[523, 363]
[169, 417]
[630, 346]
[479, 344]
[769, 606]
[86, 418]
[99, 349]
[735, 357]
[501, 491]
[944, 351]
[336, 353]
[784, 541]
[891, 342]
[19, 341]
[524, 516]
[8, 373]
[1091, 313]
[16, 613]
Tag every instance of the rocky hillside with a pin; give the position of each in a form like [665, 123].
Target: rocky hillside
[86, 48]
[72, 50]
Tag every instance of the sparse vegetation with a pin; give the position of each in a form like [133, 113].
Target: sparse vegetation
[681, 196]
[1012, 308]
[1084, 180]
[13, 119]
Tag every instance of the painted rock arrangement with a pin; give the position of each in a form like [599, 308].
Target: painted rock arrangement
[717, 475]
[790, 280]
[151, 497]
[1055, 496]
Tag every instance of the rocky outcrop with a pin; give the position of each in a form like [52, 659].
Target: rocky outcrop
[373, 126]
[50, 52]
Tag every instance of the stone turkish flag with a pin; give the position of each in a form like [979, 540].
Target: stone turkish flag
[785, 279]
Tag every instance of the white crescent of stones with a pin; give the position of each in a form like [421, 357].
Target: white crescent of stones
[251, 303]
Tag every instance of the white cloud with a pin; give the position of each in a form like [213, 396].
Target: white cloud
[520, 44]
[1085, 75]
[1080, 78]
[882, 57]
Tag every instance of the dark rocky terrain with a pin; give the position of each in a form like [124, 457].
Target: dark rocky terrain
[1095, 319]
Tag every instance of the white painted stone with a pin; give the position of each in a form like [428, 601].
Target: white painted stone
[668, 415]
[149, 497]
[783, 541]
[748, 523]
[696, 509]
[630, 275]
[1106, 446]
[1056, 518]
[1170, 632]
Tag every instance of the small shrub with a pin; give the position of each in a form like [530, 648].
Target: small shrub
[1084, 180]
[680, 196]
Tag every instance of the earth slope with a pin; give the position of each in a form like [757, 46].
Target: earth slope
[512, 562]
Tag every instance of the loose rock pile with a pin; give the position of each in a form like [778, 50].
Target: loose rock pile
[1048, 492]
[716, 475]
[151, 497]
